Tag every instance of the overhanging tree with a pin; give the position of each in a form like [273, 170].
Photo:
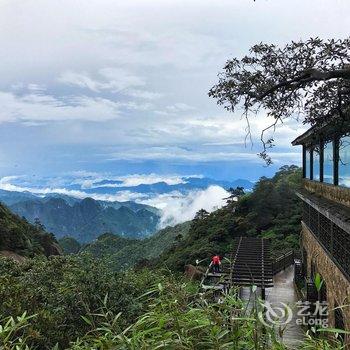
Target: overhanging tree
[235, 193]
[308, 80]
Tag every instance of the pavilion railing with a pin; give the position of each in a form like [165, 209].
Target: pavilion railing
[334, 240]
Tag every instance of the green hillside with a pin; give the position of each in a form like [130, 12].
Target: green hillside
[69, 245]
[22, 238]
[125, 252]
[271, 210]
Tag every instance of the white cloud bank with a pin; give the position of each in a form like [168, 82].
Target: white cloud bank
[177, 208]
[39, 107]
[132, 180]
[121, 196]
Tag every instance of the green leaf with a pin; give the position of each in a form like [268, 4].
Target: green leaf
[86, 320]
[333, 330]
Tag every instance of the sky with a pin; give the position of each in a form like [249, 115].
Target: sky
[121, 87]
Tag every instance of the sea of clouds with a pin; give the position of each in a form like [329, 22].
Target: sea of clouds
[175, 206]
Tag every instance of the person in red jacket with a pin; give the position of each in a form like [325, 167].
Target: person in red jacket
[216, 262]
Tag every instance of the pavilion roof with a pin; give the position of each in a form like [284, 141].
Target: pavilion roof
[327, 130]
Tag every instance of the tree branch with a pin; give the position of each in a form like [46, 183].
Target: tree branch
[308, 76]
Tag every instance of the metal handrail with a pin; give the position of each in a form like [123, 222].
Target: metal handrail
[283, 261]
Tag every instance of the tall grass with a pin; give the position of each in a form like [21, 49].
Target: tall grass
[179, 317]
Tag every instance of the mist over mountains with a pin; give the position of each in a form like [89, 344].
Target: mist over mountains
[184, 184]
[133, 206]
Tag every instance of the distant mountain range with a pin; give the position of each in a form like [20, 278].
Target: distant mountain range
[189, 183]
[84, 219]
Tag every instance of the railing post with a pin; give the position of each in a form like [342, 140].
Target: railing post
[336, 161]
[332, 239]
[304, 161]
[311, 164]
[321, 160]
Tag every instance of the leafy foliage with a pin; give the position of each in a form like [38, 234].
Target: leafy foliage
[69, 245]
[309, 78]
[18, 236]
[179, 317]
[175, 315]
[59, 290]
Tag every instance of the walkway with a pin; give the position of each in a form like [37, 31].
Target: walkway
[283, 291]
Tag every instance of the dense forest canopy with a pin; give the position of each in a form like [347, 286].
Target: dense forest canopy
[308, 80]
[24, 239]
[122, 253]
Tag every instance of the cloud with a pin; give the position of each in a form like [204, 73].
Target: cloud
[81, 80]
[200, 155]
[179, 107]
[146, 95]
[122, 196]
[133, 180]
[177, 208]
[91, 180]
[186, 136]
[41, 107]
[37, 107]
[178, 153]
[142, 70]
[149, 179]
[36, 88]
[110, 79]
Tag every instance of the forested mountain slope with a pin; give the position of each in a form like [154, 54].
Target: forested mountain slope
[78, 302]
[122, 252]
[271, 210]
[22, 238]
[69, 245]
[86, 219]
